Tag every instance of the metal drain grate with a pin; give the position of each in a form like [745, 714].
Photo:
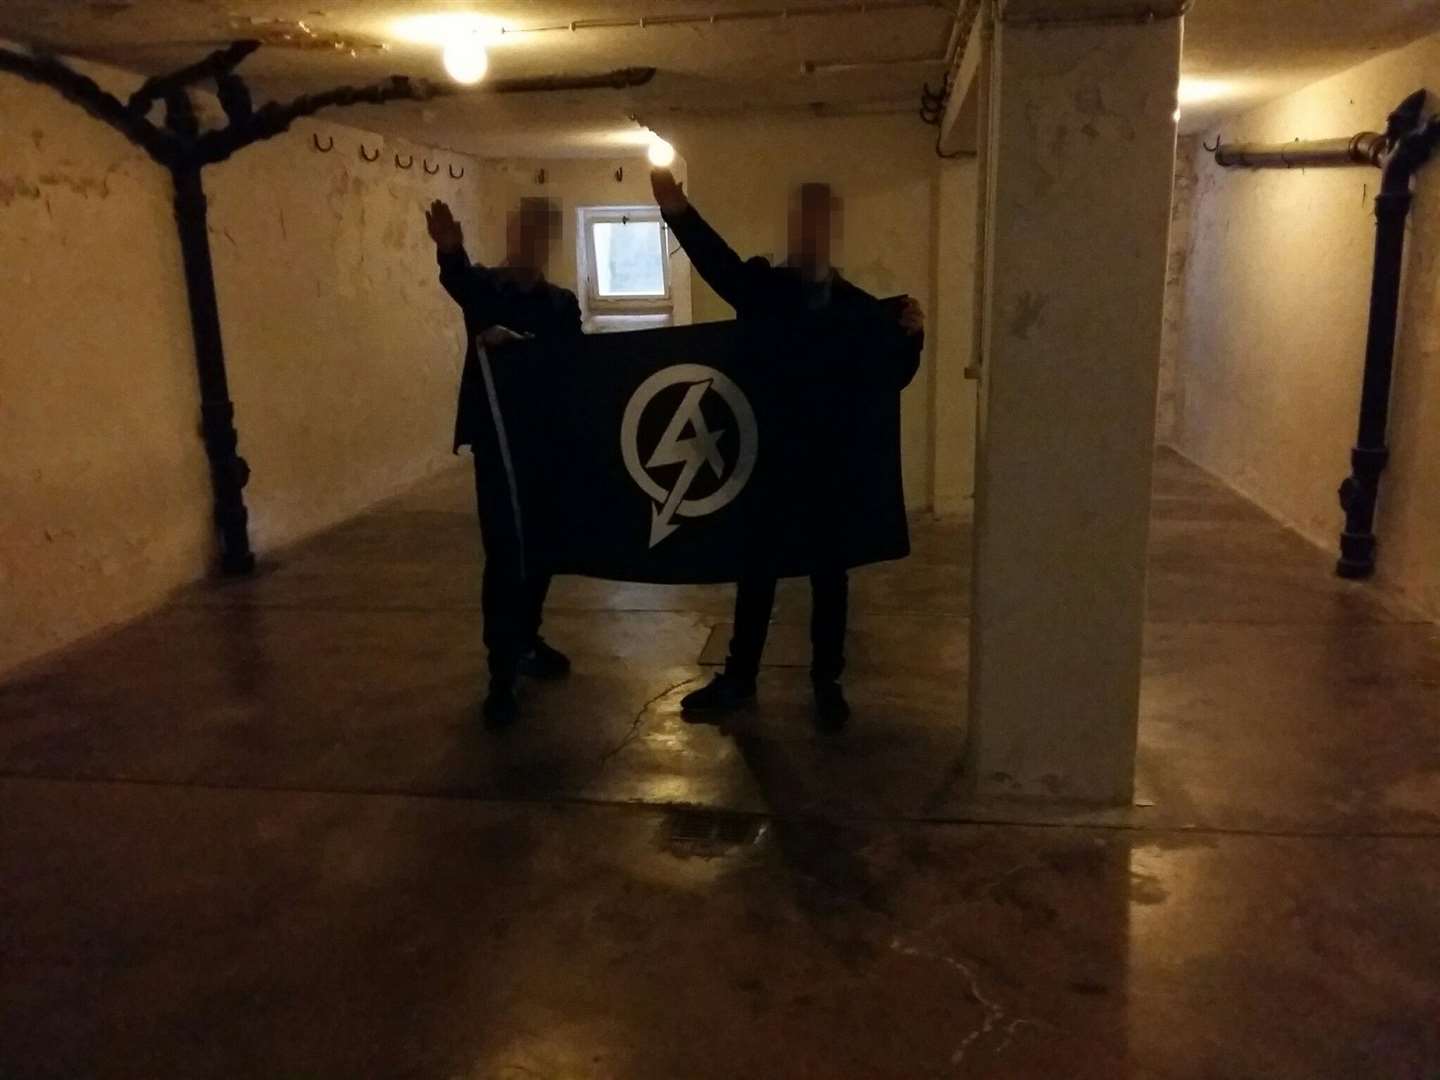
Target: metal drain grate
[706, 832]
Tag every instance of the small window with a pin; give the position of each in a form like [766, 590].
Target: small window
[627, 264]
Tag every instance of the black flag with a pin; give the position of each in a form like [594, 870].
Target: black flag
[684, 455]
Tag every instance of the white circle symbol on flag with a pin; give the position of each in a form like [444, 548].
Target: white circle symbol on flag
[690, 442]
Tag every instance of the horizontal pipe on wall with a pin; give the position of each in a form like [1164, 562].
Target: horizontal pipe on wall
[643, 22]
[619, 79]
[1366, 148]
[812, 67]
[808, 108]
[1148, 11]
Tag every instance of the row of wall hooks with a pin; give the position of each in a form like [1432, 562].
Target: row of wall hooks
[408, 163]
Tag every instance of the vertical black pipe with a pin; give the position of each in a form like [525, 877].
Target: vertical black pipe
[1361, 489]
[228, 470]
[1412, 144]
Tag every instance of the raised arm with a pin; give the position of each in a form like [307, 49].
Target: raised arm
[465, 287]
[724, 271]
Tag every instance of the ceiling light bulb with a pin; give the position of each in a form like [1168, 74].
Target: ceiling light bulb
[661, 153]
[466, 60]
[1194, 91]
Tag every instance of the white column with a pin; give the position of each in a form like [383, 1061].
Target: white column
[1080, 146]
[951, 329]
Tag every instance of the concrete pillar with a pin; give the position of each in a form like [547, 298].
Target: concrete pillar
[1079, 151]
[951, 330]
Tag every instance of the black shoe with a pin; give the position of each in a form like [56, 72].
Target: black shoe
[500, 708]
[724, 693]
[832, 711]
[544, 662]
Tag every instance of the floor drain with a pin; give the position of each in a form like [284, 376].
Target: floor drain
[706, 832]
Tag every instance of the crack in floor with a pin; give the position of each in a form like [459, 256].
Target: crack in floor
[634, 732]
[993, 1013]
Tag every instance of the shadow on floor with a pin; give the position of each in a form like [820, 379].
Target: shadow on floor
[260, 833]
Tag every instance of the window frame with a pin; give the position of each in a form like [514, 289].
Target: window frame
[659, 304]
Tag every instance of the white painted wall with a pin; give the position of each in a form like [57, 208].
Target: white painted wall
[1276, 305]
[742, 171]
[344, 354]
[1169, 397]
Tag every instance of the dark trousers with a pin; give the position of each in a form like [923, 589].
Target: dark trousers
[511, 599]
[755, 600]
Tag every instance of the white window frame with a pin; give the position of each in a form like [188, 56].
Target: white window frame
[595, 304]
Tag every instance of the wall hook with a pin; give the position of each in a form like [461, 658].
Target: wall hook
[408, 161]
[453, 174]
[540, 177]
[315, 138]
[425, 164]
[620, 174]
[1214, 148]
[369, 157]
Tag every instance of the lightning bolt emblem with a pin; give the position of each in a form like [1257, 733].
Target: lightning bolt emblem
[688, 441]
[692, 453]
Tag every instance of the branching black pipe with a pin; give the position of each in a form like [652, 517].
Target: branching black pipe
[229, 472]
[185, 150]
[618, 79]
[215, 66]
[273, 119]
[85, 92]
[1412, 141]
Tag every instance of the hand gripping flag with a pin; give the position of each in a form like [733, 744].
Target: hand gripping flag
[690, 455]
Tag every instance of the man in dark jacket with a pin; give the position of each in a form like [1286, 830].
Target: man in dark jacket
[840, 343]
[503, 304]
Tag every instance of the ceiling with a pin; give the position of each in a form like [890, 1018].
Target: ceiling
[1241, 53]
[745, 59]
[825, 54]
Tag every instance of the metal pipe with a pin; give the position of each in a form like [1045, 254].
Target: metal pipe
[811, 67]
[961, 27]
[85, 92]
[643, 22]
[1413, 141]
[619, 79]
[185, 151]
[809, 108]
[229, 472]
[218, 64]
[1148, 11]
[1366, 148]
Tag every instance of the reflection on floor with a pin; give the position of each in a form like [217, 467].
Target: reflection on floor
[260, 834]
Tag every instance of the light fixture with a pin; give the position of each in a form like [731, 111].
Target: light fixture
[661, 153]
[466, 60]
[1195, 91]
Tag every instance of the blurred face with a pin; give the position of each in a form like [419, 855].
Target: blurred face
[812, 230]
[530, 234]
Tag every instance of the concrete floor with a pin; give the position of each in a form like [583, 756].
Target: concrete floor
[261, 834]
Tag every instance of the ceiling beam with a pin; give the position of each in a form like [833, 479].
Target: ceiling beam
[1072, 12]
[960, 123]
